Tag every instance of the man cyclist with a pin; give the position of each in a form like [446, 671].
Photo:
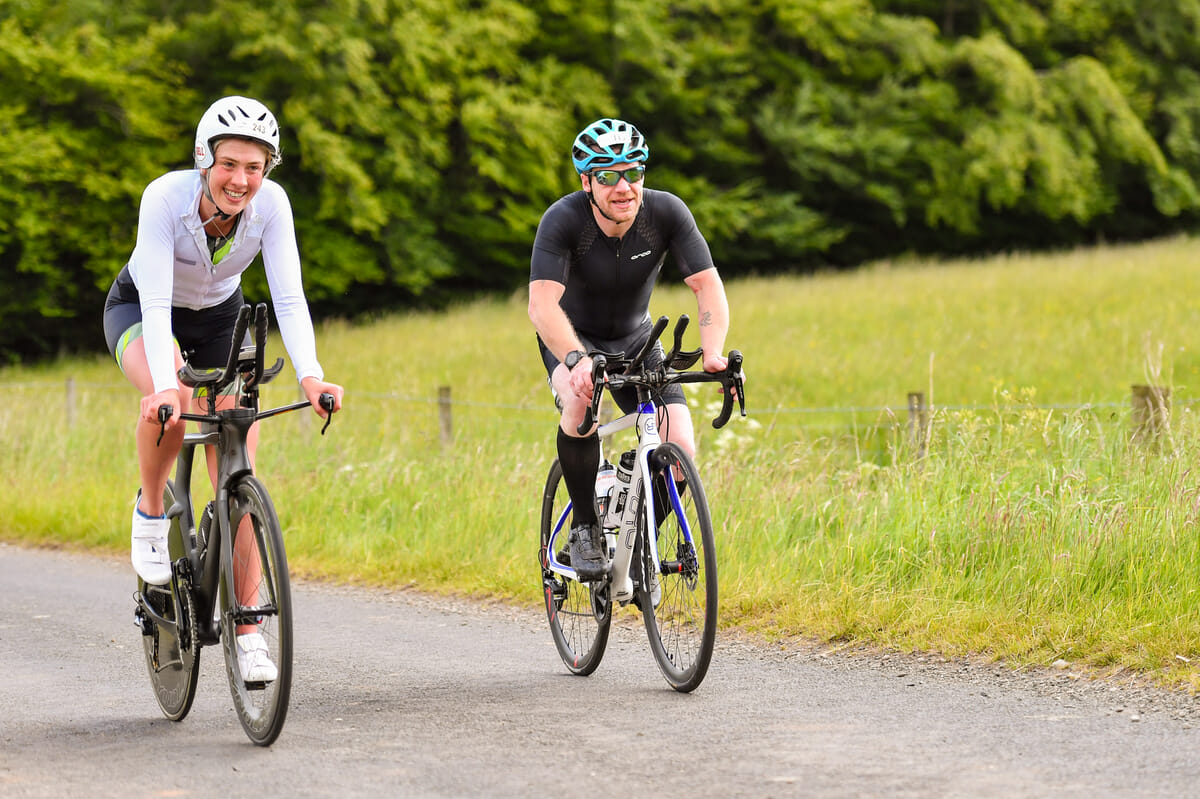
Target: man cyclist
[198, 230]
[596, 258]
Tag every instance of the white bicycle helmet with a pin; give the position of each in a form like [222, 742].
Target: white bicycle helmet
[236, 116]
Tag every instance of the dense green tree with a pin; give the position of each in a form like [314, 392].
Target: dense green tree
[891, 135]
[83, 123]
[423, 139]
[420, 147]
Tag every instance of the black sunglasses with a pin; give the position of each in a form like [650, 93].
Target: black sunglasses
[611, 177]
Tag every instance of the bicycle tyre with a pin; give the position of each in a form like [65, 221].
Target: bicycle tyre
[172, 655]
[580, 615]
[682, 625]
[261, 706]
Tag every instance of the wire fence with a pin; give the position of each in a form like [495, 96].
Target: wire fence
[1148, 406]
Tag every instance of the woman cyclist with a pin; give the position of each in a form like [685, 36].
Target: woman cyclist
[198, 230]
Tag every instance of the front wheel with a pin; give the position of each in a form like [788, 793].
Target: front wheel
[580, 615]
[256, 613]
[168, 625]
[680, 611]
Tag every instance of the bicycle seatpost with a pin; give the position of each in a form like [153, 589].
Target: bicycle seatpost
[260, 345]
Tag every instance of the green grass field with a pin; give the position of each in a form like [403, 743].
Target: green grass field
[1032, 529]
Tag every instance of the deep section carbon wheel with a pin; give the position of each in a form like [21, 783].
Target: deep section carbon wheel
[172, 656]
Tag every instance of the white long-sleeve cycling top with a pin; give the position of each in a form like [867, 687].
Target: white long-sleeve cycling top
[171, 266]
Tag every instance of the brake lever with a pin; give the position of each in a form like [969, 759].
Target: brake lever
[599, 364]
[165, 412]
[739, 381]
[733, 370]
[327, 403]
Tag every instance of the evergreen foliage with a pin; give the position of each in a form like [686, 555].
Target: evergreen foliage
[423, 139]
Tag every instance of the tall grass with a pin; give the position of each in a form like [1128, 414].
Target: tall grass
[1031, 526]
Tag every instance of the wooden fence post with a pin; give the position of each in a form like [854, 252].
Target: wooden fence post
[70, 402]
[444, 415]
[918, 419]
[1151, 412]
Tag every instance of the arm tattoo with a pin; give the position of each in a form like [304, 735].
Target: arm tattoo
[706, 319]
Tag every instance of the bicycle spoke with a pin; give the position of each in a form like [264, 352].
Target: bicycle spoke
[256, 620]
[682, 624]
[579, 615]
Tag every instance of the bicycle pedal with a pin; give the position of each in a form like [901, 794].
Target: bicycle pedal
[142, 621]
[603, 577]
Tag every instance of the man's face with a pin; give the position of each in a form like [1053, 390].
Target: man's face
[621, 199]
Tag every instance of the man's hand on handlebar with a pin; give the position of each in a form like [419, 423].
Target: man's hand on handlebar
[715, 364]
[582, 382]
[718, 362]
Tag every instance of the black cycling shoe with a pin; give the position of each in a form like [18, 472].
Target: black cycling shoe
[588, 557]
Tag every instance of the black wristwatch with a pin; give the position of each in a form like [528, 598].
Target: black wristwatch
[573, 358]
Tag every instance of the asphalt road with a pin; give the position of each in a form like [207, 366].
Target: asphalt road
[401, 694]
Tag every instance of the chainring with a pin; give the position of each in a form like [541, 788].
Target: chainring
[189, 641]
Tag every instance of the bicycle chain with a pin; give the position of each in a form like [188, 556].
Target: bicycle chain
[189, 641]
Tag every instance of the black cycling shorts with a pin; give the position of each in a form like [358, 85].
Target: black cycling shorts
[203, 336]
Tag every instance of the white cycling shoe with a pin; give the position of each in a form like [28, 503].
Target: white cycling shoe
[148, 548]
[254, 660]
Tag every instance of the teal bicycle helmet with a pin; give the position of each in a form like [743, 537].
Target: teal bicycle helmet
[606, 142]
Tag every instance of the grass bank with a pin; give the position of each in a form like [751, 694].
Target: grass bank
[1027, 524]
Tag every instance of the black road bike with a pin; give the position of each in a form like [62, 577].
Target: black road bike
[229, 570]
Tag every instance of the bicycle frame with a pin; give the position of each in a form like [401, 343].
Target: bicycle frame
[233, 460]
[645, 419]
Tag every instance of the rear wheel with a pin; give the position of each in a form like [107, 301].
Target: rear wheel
[256, 603]
[680, 612]
[580, 615]
[168, 625]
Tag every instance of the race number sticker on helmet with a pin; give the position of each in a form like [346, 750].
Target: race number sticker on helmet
[241, 117]
[621, 136]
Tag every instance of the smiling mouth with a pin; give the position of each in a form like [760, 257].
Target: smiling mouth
[235, 196]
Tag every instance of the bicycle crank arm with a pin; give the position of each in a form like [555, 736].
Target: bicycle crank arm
[144, 607]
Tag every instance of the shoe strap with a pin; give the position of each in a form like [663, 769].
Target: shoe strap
[152, 537]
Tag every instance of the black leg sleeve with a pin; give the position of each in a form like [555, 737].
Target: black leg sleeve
[580, 458]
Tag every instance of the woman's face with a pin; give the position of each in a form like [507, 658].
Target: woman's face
[237, 173]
